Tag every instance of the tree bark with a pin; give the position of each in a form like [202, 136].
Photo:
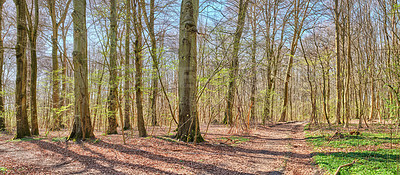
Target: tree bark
[338, 66]
[153, 53]
[55, 72]
[253, 64]
[2, 115]
[127, 88]
[82, 126]
[139, 65]
[113, 82]
[347, 102]
[234, 67]
[20, 93]
[32, 35]
[154, 57]
[188, 127]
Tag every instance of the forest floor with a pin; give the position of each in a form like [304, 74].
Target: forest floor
[273, 149]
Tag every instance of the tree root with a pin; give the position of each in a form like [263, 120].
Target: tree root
[345, 165]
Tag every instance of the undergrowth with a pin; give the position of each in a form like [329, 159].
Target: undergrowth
[372, 152]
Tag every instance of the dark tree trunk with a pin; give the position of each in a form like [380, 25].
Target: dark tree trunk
[112, 97]
[253, 66]
[155, 67]
[32, 35]
[138, 64]
[20, 93]
[127, 88]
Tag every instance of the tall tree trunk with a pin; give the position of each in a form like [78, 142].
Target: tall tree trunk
[32, 35]
[313, 119]
[127, 88]
[188, 127]
[154, 57]
[82, 126]
[338, 62]
[153, 53]
[64, 92]
[234, 68]
[2, 115]
[20, 93]
[253, 64]
[271, 58]
[138, 64]
[347, 102]
[112, 97]
[55, 70]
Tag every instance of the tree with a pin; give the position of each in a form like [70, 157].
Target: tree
[2, 118]
[273, 54]
[20, 90]
[113, 82]
[298, 27]
[56, 72]
[253, 60]
[153, 53]
[82, 126]
[138, 64]
[32, 35]
[234, 67]
[338, 66]
[188, 126]
[127, 88]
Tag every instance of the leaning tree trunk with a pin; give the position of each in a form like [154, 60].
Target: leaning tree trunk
[228, 119]
[127, 88]
[293, 48]
[139, 66]
[112, 97]
[2, 119]
[188, 126]
[82, 126]
[20, 92]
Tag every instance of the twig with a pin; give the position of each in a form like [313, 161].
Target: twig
[345, 165]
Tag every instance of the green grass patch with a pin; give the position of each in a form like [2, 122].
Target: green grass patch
[59, 139]
[364, 139]
[3, 169]
[383, 161]
[26, 139]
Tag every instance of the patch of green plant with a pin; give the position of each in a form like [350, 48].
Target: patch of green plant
[59, 139]
[3, 169]
[236, 139]
[307, 127]
[26, 139]
[96, 141]
[384, 161]
[352, 140]
[166, 138]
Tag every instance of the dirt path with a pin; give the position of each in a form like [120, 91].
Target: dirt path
[277, 149]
